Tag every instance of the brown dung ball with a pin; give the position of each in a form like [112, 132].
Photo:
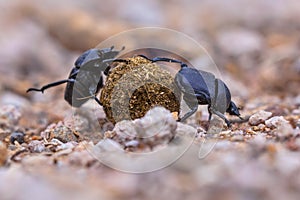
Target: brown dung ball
[134, 87]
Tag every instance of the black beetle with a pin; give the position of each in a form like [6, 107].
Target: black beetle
[205, 87]
[85, 79]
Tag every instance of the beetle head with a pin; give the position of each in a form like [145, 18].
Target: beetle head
[85, 57]
[105, 55]
[233, 109]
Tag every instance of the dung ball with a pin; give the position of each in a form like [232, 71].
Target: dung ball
[135, 86]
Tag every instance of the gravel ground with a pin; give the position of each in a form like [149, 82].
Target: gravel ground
[52, 151]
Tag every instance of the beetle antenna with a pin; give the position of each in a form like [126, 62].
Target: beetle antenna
[45, 87]
[157, 59]
[121, 60]
[143, 56]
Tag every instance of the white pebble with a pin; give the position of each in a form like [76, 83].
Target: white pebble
[259, 117]
[157, 126]
[282, 127]
[276, 122]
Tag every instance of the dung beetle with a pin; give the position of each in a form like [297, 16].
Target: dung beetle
[202, 88]
[85, 79]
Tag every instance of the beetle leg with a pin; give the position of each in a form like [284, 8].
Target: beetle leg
[221, 116]
[121, 60]
[97, 100]
[107, 71]
[209, 116]
[190, 113]
[45, 87]
[210, 113]
[93, 94]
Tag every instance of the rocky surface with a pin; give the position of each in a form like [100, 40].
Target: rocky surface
[49, 150]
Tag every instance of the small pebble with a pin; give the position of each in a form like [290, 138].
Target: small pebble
[10, 113]
[297, 100]
[3, 154]
[68, 145]
[36, 146]
[259, 140]
[282, 127]
[132, 143]
[80, 158]
[259, 117]
[238, 132]
[9, 98]
[17, 136]
[237, 138]
[276, 122]
[157, 127]
[297, 142]
[4, 132]
[59, 131]
[261, 126]
[201, 130]
[296, 112]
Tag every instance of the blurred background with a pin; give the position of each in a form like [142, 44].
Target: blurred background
[254, 43]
